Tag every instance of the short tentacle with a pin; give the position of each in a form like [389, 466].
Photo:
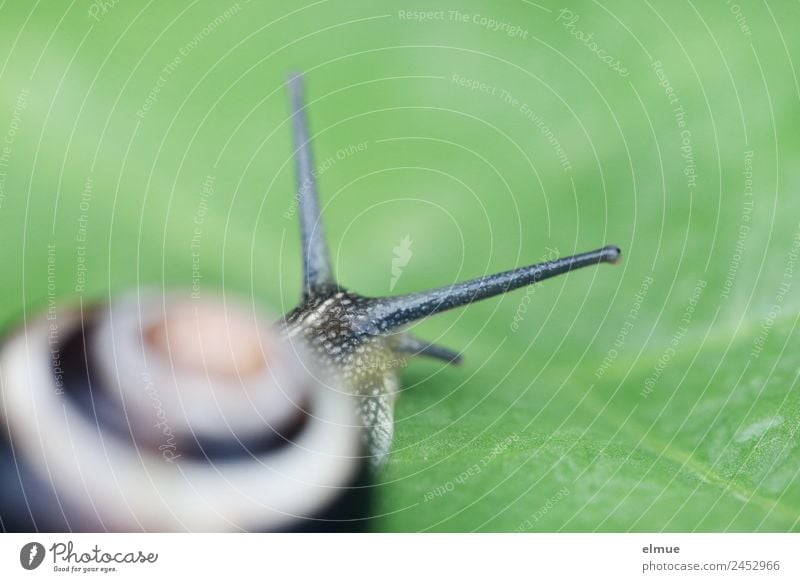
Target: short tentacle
[317, 268]
[392, 312]
[415, 346]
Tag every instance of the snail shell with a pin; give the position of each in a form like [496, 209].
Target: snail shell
[160, 413]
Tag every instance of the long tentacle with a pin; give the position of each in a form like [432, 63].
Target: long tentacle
[392, 312]
[317, 269]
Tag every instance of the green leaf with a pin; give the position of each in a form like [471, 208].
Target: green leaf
[659, 395]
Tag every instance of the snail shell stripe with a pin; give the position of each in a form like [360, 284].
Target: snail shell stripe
[113, 486]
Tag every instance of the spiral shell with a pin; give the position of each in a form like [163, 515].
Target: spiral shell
[159, 413]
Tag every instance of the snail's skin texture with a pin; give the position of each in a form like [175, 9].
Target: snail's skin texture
[364, 364]
[359, 342]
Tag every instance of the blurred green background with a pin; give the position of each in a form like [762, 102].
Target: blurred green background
[660, 395]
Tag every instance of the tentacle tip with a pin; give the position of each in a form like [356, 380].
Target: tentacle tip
[612, 254]
[455, 359]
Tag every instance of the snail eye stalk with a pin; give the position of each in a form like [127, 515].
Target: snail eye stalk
[393, 312]
[414, 346]
[317, 269]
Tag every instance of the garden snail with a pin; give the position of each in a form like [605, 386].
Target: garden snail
[158, 413]
[356, 340]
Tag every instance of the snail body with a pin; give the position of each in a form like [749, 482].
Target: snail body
[364, 364]
[358, 341]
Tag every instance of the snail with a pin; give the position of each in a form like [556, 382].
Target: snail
[356, 340]
[157, 412]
